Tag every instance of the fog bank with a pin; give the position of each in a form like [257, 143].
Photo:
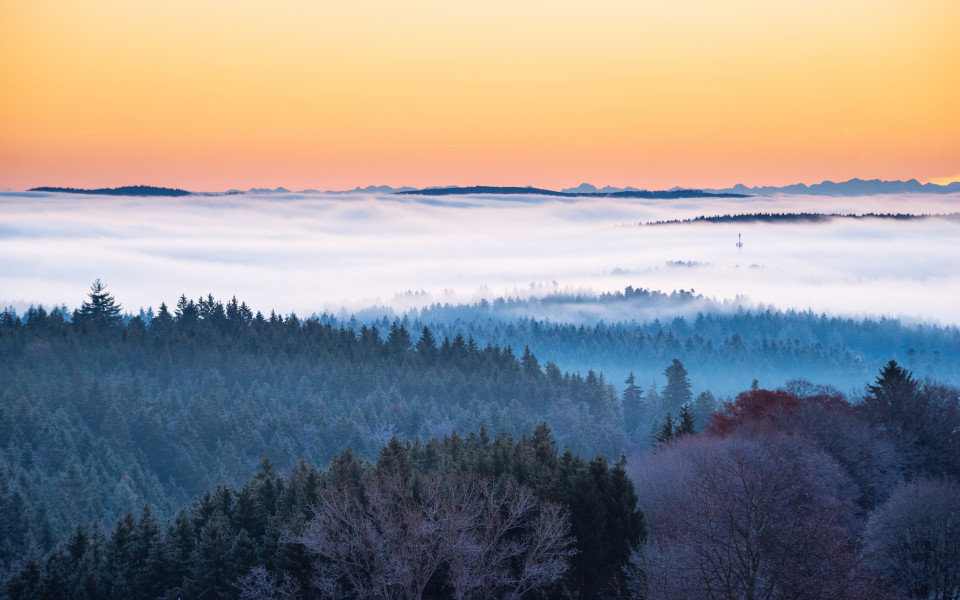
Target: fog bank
[313, 252]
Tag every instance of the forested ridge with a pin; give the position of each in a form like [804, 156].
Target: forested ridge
[128, 444]
[800, 218]
[726, 344]
[99, 417]
[128, 190]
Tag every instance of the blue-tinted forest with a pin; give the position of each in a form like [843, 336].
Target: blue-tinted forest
[725, 345]
[133, 454]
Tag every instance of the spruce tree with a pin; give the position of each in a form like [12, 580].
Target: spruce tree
[678, 391]
[100, 312]
[894, 385]
[530, 364]
[686, 422]
[703, 406]
[666, 430]
[632, 397]
[426, 346]
[213, 571]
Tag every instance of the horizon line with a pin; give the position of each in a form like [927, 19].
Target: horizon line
[939, 182]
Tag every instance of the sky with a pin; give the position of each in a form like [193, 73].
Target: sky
[310, 253]
[219, 94]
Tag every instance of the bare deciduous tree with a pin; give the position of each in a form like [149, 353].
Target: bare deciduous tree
[913, 540]
[391, 539]
[260, 584]
[746, 519]
[510, 547]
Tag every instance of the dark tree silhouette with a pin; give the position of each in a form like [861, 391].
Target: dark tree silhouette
[686, 422]
[101, 311]
[678, 391]
[632, 397]
[921, 419]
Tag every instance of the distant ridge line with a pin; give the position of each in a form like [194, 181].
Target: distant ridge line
[800, 218]
[484, 189]
[851, 187]
[128, 190]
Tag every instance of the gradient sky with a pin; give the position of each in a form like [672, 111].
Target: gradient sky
[220, 94]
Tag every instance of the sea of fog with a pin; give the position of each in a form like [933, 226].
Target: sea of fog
[311, 253]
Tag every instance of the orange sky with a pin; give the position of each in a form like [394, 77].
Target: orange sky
[224, 94]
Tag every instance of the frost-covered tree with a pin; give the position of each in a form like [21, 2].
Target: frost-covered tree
[396, 535]
[913, 540]
[735, 519]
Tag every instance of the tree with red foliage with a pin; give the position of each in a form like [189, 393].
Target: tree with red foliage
[756, 409]
[833, 424]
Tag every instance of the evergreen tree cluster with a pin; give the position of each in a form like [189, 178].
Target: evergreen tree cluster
[99, 416]
[103, 415]
[614, 333]
[219, 545]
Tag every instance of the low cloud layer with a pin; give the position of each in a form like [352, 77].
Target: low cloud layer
[313, 252]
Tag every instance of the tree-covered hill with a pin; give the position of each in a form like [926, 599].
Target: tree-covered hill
[127, 190]
[803, 218]
[98, 417]
[101, 414]
[794, 493]
[725, 345]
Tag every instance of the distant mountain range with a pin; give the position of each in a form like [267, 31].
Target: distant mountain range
[853, 187]
[632, 193]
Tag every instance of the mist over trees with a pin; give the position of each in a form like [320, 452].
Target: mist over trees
[127, 446]
[99, 417]
[728, 345]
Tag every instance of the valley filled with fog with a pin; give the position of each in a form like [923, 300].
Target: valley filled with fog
[312, 252]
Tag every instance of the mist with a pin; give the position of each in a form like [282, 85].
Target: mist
[308, 253]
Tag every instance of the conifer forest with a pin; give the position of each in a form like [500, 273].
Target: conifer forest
[207, 451]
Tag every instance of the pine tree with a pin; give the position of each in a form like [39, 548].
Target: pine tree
[426, 346]
[530, 364]
[213, 570]
[181, 543]
[666, 430]
[163, 322]
[588, 516]
[632, 398]
[121, 558]
[686, 423]
[101, 311]
[678, 391]
[398, 341]
[894, 384]
[626, 524]
[653, 407]
[703, 406]
[25, 579]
